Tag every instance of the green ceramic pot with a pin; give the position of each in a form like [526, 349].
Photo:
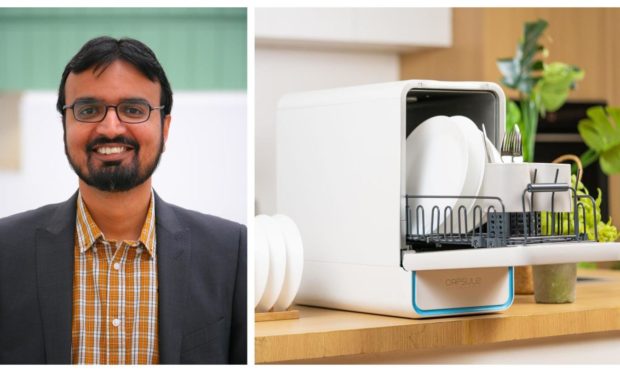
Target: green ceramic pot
[555, 284]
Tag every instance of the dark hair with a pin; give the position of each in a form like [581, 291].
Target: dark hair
[100, 52]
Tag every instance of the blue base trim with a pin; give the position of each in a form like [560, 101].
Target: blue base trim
[464, 310]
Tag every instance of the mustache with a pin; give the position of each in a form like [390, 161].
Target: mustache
[116, 140]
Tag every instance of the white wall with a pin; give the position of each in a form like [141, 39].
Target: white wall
[203, 168]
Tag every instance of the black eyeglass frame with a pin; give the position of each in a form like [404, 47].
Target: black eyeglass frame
[107, 108]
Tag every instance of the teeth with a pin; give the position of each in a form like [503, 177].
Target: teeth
[110, 150]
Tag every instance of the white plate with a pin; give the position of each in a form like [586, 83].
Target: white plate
[261, 262]
[277, 262]
[475, 171]
[477, 155]
[294, 262]
[495, 155]
[437, 164]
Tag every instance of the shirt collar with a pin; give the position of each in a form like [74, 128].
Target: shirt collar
[88, 232]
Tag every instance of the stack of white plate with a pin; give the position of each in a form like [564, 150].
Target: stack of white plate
[278, 262]
[445, 156]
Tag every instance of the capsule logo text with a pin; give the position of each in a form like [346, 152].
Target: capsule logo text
[463, 282]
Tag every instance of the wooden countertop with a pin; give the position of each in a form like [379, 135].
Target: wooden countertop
[320, 333]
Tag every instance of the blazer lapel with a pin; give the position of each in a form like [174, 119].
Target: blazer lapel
[54, 246]
[173, 253]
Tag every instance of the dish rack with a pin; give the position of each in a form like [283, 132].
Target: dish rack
[501, 228]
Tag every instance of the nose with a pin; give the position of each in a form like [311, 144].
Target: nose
[111, 126]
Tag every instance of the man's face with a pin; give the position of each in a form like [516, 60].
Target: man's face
[112, 155]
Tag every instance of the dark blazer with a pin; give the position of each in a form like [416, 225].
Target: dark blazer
[201, 262]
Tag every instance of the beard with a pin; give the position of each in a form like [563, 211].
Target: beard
[113, 176]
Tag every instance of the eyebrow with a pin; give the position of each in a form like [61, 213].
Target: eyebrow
[86, 100]
[125, 100]
[135, 100]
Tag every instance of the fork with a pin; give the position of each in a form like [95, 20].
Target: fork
[512, 149]
[506, 149]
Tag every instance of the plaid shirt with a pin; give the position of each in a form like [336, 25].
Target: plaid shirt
[114, 295]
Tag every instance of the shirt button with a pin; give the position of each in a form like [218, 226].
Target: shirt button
[117, 266]
[139, 250]
[116, 322]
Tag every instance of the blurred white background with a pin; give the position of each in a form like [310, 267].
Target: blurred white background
[203, 167]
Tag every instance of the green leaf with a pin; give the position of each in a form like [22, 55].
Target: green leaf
[509, 71]
[607, 232]
[610, 160]
[609, 133]
[556, 82]
[614, 112]
[599, 116]
[521, 72]
[602, 135]
[590, 135]
[532, 32]
[611, 127]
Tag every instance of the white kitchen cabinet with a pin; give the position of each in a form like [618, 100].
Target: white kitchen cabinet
[361, 29]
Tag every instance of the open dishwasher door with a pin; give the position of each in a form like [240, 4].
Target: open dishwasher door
[481, 280]
[522, 255]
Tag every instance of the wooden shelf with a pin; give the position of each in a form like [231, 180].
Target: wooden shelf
[320, 333]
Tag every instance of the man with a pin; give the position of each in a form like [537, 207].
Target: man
[115, 275]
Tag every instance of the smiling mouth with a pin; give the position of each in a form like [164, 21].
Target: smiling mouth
[114, 149]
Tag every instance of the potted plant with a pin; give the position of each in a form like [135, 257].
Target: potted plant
[541, 88]
[556, 283]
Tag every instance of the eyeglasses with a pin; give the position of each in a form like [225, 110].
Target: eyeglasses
[130, 112]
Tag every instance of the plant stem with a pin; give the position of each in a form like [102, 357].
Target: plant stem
[529, 114]
[589, 157]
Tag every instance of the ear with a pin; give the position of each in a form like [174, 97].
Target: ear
[165, 129]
